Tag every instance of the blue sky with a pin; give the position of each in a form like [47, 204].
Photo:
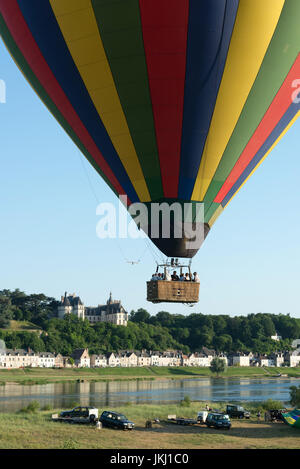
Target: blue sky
[249, 263]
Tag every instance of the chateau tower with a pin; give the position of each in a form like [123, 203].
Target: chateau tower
[71, 304]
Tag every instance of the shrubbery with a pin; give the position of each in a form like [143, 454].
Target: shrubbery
[32, 407]
[186, 402]
[295, 396]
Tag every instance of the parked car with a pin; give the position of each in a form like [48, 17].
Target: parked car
[237, 411]
[79, 414]
[115, 420]
[201, 417]
[218, 420]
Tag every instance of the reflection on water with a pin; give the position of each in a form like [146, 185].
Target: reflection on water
[113, 393]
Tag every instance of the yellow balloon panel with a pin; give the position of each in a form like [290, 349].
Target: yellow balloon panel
[79, 28]
[255, 24]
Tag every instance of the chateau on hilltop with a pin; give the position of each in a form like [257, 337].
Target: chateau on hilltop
[112, 312]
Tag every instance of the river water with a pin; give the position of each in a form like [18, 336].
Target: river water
[113, 393]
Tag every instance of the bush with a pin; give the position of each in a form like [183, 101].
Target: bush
[32, 407]
[70, 444]
[295, 396]
[271, 404]
[186, 402]
[217, 366]
[74, 404]
[47, 407]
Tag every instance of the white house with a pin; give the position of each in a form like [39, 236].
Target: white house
[127, 359]
[113, 360]
[186, 360]
[2, 359]
[98, 361]
[264, 360]
[155, 358]
[296, 343]
[81, 358]
[164, 359]
[202, 358]
[294, 358]
[174, 358]
[46, 360]
[241, 360]
[276, 337]
[143, 358]
[278, 358]
[18, 358]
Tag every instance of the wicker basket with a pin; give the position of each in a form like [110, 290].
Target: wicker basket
[172, 292]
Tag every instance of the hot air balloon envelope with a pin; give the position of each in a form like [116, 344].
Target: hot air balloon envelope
[169, 100]
[292, 418]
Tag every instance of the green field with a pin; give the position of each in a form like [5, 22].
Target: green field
[22, 326]
[36, 431]
[45, 375]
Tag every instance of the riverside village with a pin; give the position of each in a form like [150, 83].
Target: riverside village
[113, 312]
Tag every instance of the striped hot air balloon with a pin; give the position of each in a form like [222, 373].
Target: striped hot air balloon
[292, 418]
[169, 100]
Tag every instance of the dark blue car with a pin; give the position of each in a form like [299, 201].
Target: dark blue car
[115, 420]
[218, 420]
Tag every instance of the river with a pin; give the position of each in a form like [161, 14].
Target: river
[113, 393]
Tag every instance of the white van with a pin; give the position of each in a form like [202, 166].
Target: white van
[201, 417]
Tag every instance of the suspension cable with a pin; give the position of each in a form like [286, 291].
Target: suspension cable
[98, 202]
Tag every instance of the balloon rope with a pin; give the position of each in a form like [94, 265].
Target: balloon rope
[88, 178]
[98, 202]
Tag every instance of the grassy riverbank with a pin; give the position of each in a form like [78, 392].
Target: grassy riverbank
[36, 431]
[44, 375]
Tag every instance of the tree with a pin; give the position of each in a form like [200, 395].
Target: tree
[141, 315]
[287, 327]
[217, 366]
[6, 310]
[13, 340]
[219, 325]
[186, 402]
[181, 334]
[33, 341]
[268, 325]
[163, 318]
[295, 396]
[223, 343]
